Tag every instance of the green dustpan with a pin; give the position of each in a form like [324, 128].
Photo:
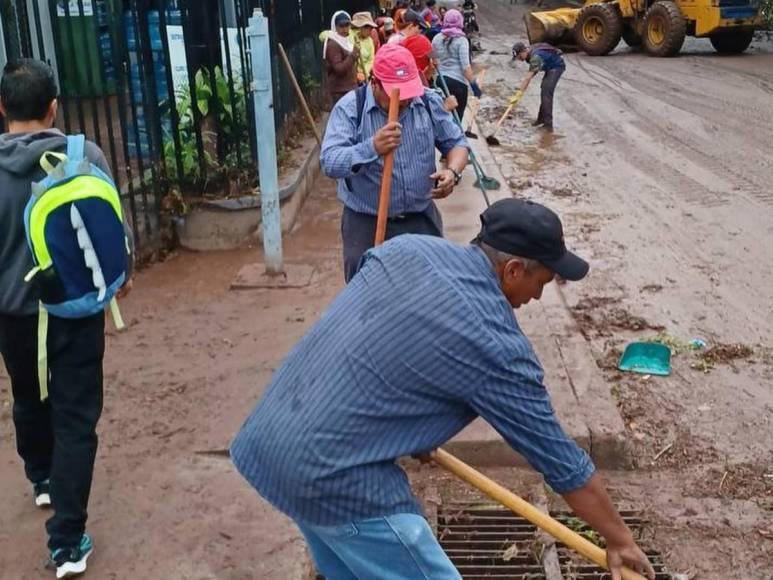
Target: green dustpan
[647, 358]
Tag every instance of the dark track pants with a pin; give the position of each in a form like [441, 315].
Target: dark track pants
[549, 82]
[57, 439]
[358, 232]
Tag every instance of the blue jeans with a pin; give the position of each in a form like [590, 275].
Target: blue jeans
[399, 547]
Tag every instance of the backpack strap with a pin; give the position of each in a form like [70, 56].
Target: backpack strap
[425, 100]
[76, 148]
[43, 351]
[361, 94]
[117, 318]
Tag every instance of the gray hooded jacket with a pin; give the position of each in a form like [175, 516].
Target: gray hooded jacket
[20, 167]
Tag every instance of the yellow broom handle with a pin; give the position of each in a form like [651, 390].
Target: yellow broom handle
[521, 507]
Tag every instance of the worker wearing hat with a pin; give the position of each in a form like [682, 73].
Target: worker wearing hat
[545, 58]
[386, 28]
[421, 342]
[366, 40]
[358, 137]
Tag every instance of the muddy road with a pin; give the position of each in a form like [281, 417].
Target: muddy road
[663, 171]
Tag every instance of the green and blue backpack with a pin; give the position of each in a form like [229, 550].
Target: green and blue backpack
[74, 225]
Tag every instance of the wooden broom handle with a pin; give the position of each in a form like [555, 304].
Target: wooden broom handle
[523, 508]
[386, 179]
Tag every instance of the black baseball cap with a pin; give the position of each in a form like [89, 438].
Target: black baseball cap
[518, 48]
[413, 17]
[530, 230]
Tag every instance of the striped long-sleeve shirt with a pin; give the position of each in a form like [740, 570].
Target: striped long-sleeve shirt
[420, 343]
[349, 156]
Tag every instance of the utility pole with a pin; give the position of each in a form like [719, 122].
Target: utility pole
[263, 94]
[273, 273]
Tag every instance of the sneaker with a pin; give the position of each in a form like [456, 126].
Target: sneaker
[71, 562]
[42, 494]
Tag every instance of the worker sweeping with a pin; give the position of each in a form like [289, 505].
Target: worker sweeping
[421, 342]
[358, 137]
[549, 60]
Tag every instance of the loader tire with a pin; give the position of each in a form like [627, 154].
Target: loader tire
[598, 29]
[732, 42]
[631, 37]
[664, 29]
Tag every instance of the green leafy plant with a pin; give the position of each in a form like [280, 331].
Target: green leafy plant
[231, 116]
[309, 84]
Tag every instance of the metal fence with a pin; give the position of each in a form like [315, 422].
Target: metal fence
[162, 86]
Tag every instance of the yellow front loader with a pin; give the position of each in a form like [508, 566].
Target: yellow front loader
[659, 26]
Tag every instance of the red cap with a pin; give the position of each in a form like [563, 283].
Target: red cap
[396, 68]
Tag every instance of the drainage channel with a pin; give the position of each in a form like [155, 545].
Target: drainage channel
[486, 541]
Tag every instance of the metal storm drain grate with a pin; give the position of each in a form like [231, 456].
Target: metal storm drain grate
[575, 567]
[486, 541]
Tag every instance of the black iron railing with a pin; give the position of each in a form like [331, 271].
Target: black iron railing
[162, 86]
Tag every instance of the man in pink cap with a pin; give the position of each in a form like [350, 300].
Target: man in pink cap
[358, 136]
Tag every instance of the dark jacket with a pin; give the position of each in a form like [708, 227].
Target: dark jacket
[341, 69]
[19, 167]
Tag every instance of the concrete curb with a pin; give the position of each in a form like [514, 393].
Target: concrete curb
[220, 226]
[581, 398]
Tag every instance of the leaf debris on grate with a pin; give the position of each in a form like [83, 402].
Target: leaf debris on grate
[487, 542]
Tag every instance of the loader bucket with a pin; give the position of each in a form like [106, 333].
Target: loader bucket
[554, 26]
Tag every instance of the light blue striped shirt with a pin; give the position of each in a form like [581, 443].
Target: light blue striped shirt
[420, 343]
[349, 156]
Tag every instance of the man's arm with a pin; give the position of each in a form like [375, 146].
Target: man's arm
[456, 161]
[535, 65]
[448, 135]
[513, 400]
[342, 155]
[451, 142]
[593, 504]
[527, 80]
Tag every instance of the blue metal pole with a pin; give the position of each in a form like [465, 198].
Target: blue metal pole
[262, 91]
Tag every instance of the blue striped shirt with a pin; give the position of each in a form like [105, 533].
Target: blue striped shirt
[349, 156]
[420, 343]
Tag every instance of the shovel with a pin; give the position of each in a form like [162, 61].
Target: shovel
[491, 139]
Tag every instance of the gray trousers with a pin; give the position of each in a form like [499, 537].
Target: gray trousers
[358, 231]
[549, 82]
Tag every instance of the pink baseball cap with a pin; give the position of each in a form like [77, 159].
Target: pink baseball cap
[396, 68]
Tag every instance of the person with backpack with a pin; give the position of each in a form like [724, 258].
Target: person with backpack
[358, 137]
[65, 251]
[546, 58]
[451, 50]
